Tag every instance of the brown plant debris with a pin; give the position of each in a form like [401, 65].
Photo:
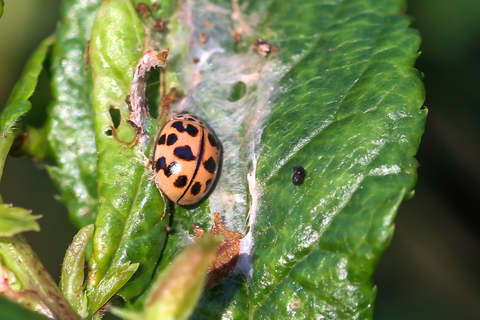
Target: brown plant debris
[227, 251]
[160, 25]
[137, 101]
[264, 48]
[203, 37]
[142, 9]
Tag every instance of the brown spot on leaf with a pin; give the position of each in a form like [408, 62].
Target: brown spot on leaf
[198, 230]
[264, 48]
[162, 56]
[159, 25]
[142, 9]
[208, 24]
[203, 37]
[170, 97]
[236, 37]
[295, 304]
[227, 251]
[86, 56]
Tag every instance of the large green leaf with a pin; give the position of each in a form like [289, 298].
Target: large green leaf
[132, 216]
[70, 125]
[340, 98]
[355, 126]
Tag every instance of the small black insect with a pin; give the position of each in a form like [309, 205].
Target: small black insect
[298, 175]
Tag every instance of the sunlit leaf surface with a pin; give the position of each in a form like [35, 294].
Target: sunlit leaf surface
[325, 85]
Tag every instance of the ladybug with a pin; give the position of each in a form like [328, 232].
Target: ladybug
[186, 159]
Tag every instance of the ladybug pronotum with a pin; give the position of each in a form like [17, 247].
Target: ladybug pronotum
[186, 159]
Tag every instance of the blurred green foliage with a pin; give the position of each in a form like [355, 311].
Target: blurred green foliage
[32, 189]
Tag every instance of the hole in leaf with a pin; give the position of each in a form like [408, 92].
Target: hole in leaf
[238, 91]
[152, 92]
[116, 116]
[109, 132]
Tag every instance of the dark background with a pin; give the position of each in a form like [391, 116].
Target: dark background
[431, 269]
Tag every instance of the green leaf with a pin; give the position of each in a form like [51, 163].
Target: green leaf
[26, 281]
[32, 141]
[18, 104]
[12, 310]
[337, 95]
[126, 314]
[341, 98]
[130, 226]
[1, 7]
[113, 281]
[70, 125]
[176, 291]
[73, 269]
[359, 127]
[14, 220]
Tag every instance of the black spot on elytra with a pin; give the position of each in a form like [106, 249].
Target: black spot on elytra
[172, 138]
[184, 153]
[207, 185]
[210, 165]
[191, 119]
[191, 130]
[212, 140]
[160, 164]
[161, 140]
[196, 188]
[169, 172]
[178, 125]
[181, 182]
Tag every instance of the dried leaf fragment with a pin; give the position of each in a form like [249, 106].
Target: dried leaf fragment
[236, 36]
[170, 97]
[264, 48]
[227, 251]
[142, 9]
[155, 6]
[159, 25]
[203, 37]
[137, 101]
